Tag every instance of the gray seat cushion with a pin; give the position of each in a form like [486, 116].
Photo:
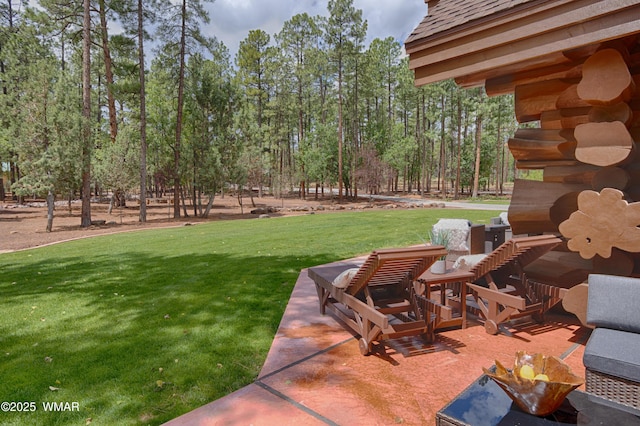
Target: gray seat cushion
[328, 273]
[613, 302]
[614, 352]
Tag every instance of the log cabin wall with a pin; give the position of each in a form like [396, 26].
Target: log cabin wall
[586, 135]
[574, 67]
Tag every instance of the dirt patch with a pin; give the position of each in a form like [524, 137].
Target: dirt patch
[24, 226]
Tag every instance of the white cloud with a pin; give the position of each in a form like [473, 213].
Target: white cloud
[231, 20]
[391, 18]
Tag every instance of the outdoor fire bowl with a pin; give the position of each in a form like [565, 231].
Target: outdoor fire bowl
[546, 383]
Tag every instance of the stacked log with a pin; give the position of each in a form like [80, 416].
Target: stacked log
[589, 129]
[538, 207]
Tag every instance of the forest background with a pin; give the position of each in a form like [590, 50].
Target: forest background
[86, 113]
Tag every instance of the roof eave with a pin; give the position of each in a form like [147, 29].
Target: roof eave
[535, 35]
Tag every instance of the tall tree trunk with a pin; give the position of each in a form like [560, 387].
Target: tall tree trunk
[428, 144]
[50, 207]
[184, 202]
[194, 184]
[3, 81]
[499, 160]
[212, 197]
[143, 117]
[2, 70]
[111, 102]
[476, 172]
[301, 147]
[354, 139]
[176, 148]
[15, 176]
[340, 132]
[2, 78]
[85, 219]
[442, 179]
[456, 191]
[504, 168]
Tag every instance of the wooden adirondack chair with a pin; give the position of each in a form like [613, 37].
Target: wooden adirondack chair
[501, 288]
[379, 301]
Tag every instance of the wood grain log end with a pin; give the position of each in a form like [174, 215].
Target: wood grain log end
[606, 79]
[603, 144]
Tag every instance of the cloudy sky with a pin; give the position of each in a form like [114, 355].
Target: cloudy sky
[231, 20]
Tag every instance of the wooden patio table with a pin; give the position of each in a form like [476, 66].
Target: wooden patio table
[450, 291]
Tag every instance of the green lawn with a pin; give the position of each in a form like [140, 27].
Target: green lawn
[487, 199]
[138, 328]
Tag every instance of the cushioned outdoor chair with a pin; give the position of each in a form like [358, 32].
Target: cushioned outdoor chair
[378, 299]
[501, 289]
[611, 356]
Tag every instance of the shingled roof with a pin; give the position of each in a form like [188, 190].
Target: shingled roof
[446, 15]
[496, 42]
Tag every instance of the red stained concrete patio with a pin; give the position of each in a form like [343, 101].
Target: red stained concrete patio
[314, 373]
